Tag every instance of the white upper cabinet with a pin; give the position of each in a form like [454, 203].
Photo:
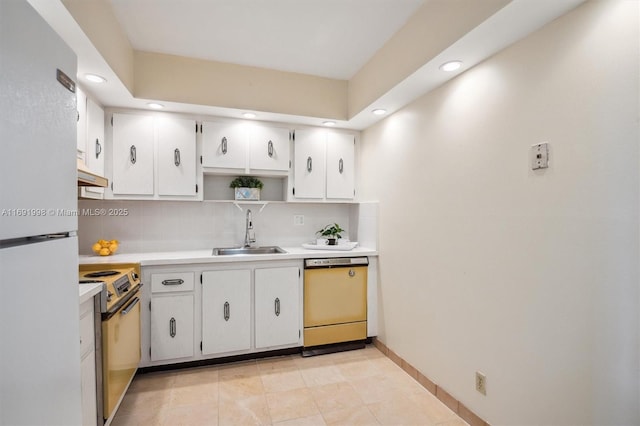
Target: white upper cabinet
[245, 148]
[176, 156]
[340, 165]
[95, 138]
[81, 128]
[309, 160]
[154, 157]
[94, 153]
[269, 148]
[224, 145]
[133, 160]
[324, 165]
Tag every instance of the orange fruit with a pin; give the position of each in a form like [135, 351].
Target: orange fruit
[105, 252]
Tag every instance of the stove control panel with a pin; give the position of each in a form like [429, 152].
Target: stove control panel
[122, 285]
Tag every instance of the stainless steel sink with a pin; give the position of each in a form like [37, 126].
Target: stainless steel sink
[247, 250]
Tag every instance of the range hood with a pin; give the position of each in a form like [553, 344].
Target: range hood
[87, 178]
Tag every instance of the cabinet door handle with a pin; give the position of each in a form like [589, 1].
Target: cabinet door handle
[223, 144]
[227, 311]
[98, 148]
[309, 164]
[270, 149]
[175, 281]
[176, 157]
[341, 166]
[277, 306]
[132, 154]
[352, 273]
[172, 327]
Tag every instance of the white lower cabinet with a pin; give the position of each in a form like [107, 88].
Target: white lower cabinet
[171, 326]
[277, 306]
[226, 311]
[88, 363]
[199, 312]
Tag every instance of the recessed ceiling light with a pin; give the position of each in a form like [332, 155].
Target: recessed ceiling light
[379, 111]
[95, 78]
[329, 123]
[155, 105]
[249, 115]
[451, 66]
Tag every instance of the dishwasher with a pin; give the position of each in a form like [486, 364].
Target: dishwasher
[335, 304]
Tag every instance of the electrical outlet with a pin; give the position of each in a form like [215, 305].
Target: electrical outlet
[481, 383]
[298, 219]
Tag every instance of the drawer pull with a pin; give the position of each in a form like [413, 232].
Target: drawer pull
[352, 273]
[277, 306]
[176, 157]
[227, 311]
[309, 164]
[175, 281]
[270, 149]
[172, 327]
[341, 166]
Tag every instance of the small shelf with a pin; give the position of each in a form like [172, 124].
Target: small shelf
[216, 188]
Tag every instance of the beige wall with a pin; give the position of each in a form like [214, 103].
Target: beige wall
[528, 276]
[429, 31]
[147, 75]
[97, 20]
[195, 81]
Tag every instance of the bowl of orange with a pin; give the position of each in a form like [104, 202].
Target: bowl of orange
[105, 247]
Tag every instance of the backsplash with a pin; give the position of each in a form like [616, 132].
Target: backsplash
[151, 226]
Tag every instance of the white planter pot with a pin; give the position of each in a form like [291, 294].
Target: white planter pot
[247, 194]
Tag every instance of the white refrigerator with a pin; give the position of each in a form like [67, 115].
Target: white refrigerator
[39, 324]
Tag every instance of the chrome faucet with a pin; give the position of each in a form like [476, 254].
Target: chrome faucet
[249, 235]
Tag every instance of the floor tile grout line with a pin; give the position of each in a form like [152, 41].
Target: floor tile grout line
[337, 362]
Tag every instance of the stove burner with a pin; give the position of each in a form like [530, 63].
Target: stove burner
[101, 274]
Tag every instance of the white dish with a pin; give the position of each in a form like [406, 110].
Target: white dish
[344, 247]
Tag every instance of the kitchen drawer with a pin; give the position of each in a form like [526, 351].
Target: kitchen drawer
[171, 282]
[87, 334]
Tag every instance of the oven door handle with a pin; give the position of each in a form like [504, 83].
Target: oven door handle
[130, 306]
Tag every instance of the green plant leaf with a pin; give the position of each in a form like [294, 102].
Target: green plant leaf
[246, 182]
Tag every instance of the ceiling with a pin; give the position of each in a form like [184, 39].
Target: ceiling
[328, 38]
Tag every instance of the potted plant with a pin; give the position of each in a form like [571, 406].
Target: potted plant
[331, 232]
[247, 188]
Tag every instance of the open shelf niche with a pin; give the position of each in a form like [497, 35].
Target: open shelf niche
[216, 188]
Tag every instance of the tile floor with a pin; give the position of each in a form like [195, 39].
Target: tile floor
[361, 387]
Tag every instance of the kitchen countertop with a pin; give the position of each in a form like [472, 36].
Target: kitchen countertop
[87, 291]
[205, 256]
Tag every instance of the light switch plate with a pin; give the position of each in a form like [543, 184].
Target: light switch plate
[298, 219]
[540, 156]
